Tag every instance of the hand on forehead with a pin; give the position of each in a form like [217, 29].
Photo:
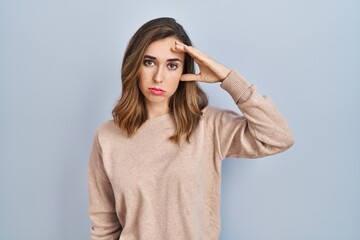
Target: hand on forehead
[164, 50]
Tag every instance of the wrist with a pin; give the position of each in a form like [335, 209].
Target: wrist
[225, 73]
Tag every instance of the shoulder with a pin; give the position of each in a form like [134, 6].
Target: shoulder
[107, 129]
[212, 114]
[108, 124]
[211, 111]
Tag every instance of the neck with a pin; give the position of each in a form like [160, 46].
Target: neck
[154, 110]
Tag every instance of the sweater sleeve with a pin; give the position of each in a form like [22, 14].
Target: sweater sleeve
[261, 131]
[105, 224]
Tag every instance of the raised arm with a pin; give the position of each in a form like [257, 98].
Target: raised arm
[261, 131]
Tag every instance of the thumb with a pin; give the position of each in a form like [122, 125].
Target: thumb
[190, 77]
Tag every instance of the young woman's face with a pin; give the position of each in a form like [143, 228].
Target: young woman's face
[160, 71]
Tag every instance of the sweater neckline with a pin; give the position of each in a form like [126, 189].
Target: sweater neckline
[158, 118]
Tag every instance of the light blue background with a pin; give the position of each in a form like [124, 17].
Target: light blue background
[60, 77]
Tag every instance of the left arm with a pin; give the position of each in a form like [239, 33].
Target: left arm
[260, 132]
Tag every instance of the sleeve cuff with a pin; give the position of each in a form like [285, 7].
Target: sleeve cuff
[236, 85]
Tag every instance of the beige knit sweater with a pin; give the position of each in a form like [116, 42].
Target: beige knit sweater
[148, 188]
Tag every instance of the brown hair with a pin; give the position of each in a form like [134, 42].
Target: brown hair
[186, 103]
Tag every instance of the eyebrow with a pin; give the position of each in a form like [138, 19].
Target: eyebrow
[169, 60]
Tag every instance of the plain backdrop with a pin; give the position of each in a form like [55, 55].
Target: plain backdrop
[60, 78]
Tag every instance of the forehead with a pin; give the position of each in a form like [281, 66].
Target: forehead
[163, 49]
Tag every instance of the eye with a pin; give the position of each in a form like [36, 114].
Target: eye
[149, 62]
[172, 66]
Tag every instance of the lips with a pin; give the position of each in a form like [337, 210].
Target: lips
[157, 91]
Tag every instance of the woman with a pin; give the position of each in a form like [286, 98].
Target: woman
[155, 168]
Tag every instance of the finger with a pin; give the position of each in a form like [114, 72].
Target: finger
[191, 48]
[190, 77]
[178, 48]
[179, 43]
[196, 50]
[193, 52]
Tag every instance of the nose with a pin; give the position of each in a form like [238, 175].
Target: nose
[158, 75]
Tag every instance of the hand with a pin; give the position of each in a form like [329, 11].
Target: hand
[210, 70]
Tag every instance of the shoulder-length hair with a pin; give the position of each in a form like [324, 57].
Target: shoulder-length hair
[185, 104]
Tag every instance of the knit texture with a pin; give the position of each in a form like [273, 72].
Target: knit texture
[148, 188]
